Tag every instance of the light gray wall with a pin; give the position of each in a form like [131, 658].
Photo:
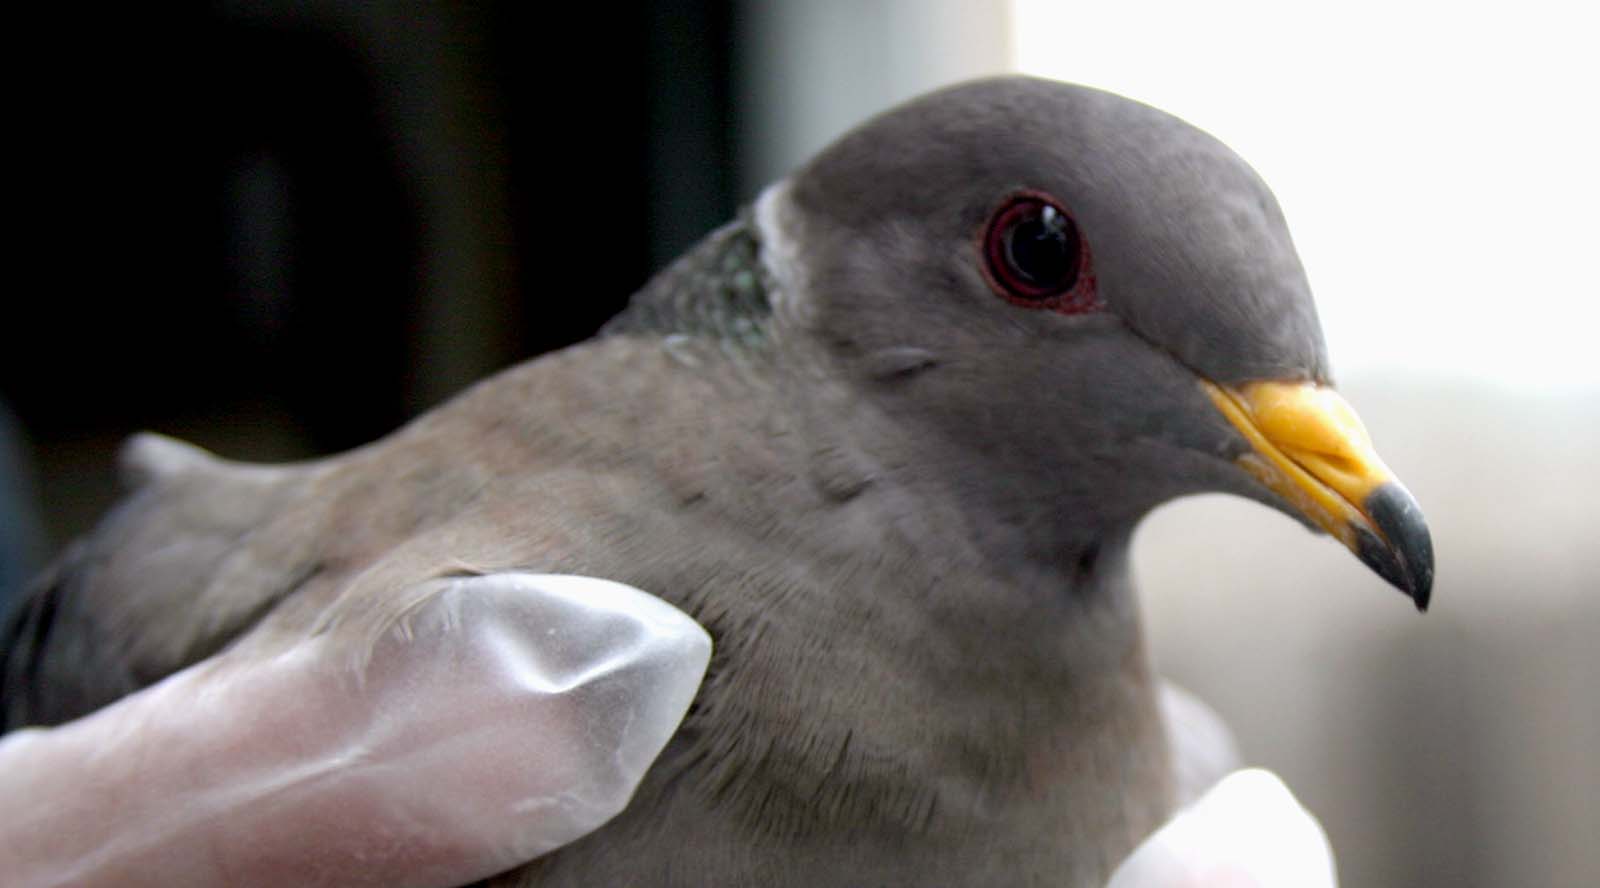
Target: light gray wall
[812, 70]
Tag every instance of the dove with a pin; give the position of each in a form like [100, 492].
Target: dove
[886, 436]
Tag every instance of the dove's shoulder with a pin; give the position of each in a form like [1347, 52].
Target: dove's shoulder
[524, 469]
[167, 577]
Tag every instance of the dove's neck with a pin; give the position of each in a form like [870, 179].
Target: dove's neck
[893, 653]
[891, 660]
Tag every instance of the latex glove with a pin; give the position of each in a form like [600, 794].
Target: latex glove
[508, 716]
[1247, 832]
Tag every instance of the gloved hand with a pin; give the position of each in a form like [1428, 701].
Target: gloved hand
[509, 715]
[1246, 832]
[513, 713]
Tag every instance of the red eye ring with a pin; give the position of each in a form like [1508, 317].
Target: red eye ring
[1034, 255]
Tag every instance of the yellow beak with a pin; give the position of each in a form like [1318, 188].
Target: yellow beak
[1309, 447]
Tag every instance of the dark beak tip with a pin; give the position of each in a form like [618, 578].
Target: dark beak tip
[1404, 556]
[1422, 590]
[1421, 595]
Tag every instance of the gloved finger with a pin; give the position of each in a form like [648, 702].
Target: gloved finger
[1247, 832]
[510, 714]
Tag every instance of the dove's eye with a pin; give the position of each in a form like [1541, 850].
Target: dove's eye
[1035, 257]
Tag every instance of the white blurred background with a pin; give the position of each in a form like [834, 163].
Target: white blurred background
[1440, 168]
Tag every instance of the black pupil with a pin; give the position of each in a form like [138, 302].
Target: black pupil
[1043, 249]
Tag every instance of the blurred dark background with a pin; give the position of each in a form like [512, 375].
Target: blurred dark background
[282, 230]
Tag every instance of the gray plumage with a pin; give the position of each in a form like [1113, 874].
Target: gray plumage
[901, 505]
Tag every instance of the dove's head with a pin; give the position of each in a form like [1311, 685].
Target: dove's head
[1072, 307]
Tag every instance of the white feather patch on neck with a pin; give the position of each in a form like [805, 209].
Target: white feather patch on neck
[780, 254]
